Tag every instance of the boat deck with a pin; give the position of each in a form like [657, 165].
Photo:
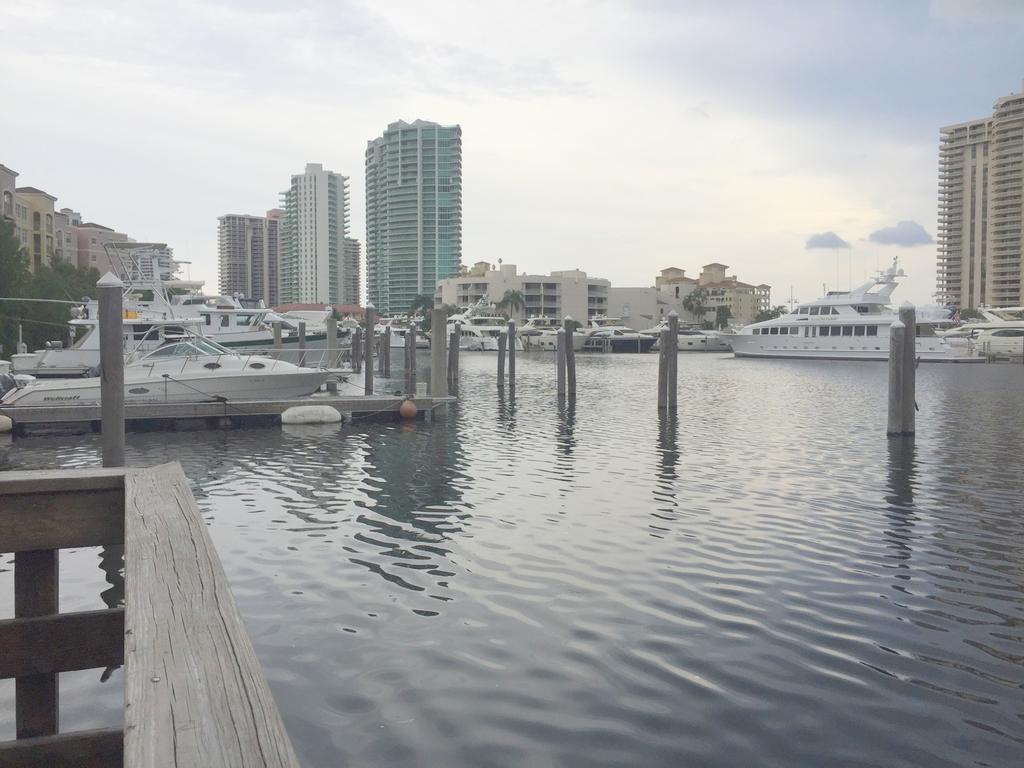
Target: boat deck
[145, 417]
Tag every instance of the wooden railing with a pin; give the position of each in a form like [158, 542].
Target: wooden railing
[195, 694]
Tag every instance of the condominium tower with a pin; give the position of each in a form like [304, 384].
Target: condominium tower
[313, 265]
[248, 254]
[413, 212]
[981, 208]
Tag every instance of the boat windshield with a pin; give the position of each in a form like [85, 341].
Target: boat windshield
[189, 348]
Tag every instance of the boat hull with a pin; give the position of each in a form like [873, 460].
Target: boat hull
[181, 389]
[929, 350]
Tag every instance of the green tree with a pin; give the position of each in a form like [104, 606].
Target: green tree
[512, 301]
[771, 314]
[14, 277]
[693, 302]
[423, 302]
[722, 315]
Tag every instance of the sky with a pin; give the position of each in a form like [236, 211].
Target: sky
[794, 141]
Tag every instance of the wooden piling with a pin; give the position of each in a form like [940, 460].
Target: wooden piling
[385, 352]
[357, 350]
[673, 359]
[438, 353]
[502, 342]
[276, 325]
[37, 697]
[109, 290]
[333, 357]
[560, 361]
[664, 349]
[302, 342]
[410, 360]
[368, 325]
[897, 391]
[453, 356]
[908, 316]
[511, 353]
[570, 356]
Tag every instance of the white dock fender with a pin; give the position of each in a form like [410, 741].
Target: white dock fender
[311, 414]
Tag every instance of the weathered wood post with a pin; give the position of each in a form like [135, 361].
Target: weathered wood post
[438, 353]
[453, 355]
[410, 360]
[897, 343]
[511, 353]
[277, 338]
[302, 342]
[385, 353]
[664, 366]
[368, 325]
[111, 310]
[908, 316]
[357, 350]
[673, 359]
[502, 341]
[570, 356]
[332, 358]
[560, 361]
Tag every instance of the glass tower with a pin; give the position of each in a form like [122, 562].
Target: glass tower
[413, 212]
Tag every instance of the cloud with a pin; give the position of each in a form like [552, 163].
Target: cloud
[905, 234]
[826, 240]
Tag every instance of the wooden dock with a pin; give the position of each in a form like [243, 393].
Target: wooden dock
[195, 694]
[142, 417]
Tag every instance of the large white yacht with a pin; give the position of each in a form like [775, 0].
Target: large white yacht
[479, 332]
[844, 325]
[186, 370]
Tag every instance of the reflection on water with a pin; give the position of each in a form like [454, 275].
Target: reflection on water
[762, 578]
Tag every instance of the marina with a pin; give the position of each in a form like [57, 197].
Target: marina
[536, 580]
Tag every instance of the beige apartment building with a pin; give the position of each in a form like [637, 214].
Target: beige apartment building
[981, 208]
[8, 185]
[642, 308]
[92, 239]
[560, 293]
[37, 223]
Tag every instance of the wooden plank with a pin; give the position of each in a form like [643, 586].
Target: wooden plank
[41, 520]
[36, 697]
[194, 691]
[60, 480]
[100, 748]
[61, 642]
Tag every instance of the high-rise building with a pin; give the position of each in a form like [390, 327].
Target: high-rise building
[413, 212]
[248, 251]
[312, 266]
[353, 271]
[981, 208]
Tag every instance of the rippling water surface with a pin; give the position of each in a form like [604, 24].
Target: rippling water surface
[762, 579]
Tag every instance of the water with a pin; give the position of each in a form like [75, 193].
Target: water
[762, 580]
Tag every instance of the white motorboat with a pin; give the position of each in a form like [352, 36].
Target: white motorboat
[1005, 342]
[995, 318]
[844, 325]
[692, 339]
[187, 370]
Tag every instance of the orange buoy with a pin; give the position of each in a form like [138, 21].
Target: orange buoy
[408, 410]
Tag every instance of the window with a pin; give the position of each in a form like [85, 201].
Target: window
[872, 330]
[847, 330]
[1011, 332]
[807, 331]
[814, 311]
[858, 330]
[794, 331]
[36, 220]
[757, 331]
[774, 331]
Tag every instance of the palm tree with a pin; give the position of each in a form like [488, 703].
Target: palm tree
[422, 301]
[512, 301]
[693, 302]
